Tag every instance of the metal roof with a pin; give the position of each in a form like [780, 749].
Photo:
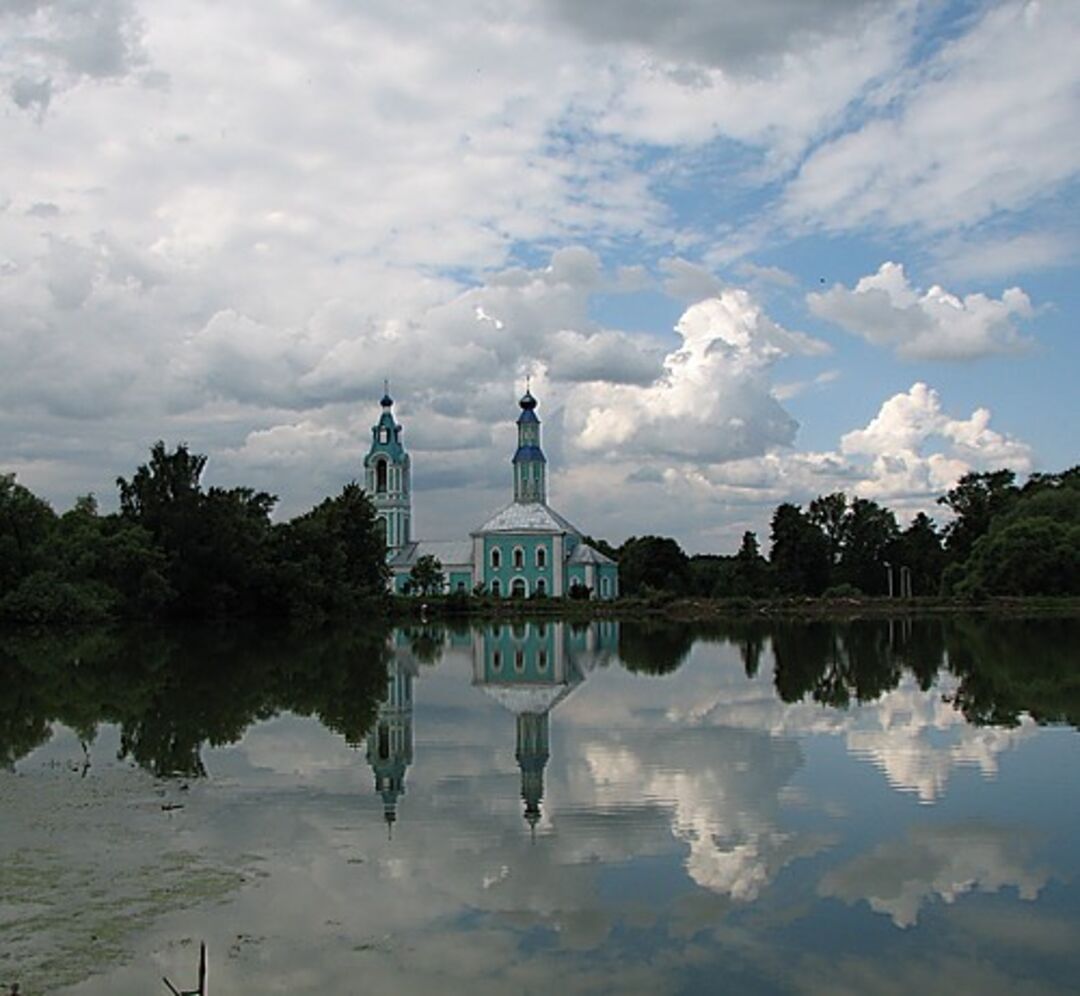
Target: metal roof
[527, 517]
[450, 553]
[585, 554]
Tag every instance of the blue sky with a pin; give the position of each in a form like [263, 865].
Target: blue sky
[746, 253]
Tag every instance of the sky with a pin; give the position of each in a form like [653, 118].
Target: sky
[745, 254]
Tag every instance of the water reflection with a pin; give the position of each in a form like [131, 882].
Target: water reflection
[172, 693]
[699, 810]
[527, 667]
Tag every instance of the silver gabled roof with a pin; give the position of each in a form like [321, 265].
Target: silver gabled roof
[585, 554]
[527, 517]
[450, 553]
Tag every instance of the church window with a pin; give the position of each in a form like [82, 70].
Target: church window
[496, 660]
[380, 477]
[380, 527]
[496, 561]
[541, 557]
[541, 660]
[518, 589]
[519, 660]
[496, 588]
[604, 587]
[519, 558]
[384, 434]
[541, 586]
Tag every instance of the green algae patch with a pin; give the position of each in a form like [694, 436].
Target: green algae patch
[86, 866]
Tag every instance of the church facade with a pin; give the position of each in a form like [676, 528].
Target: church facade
[524, 550]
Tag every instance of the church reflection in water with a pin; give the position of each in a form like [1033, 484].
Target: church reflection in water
[527, 667]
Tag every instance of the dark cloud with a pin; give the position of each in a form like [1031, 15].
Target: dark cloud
[732, 35]
[51, 45]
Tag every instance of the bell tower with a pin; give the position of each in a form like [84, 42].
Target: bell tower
[530, 467]
[387, 478]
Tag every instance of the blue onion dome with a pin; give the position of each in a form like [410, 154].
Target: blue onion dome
[527, 402]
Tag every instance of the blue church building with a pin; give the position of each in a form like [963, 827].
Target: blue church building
[525, 549]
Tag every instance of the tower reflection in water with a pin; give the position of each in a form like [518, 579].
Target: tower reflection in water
[390, 740]
[527, 667]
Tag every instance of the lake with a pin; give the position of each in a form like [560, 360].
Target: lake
[864, 807]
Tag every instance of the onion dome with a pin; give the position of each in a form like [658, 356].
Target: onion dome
[527, 402]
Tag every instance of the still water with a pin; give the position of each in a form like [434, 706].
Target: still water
[872, 807]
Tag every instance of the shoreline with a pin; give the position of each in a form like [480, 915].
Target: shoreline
[691, 610]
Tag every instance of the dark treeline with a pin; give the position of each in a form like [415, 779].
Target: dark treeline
[173, 691]
[176, 549]
[1002, 539]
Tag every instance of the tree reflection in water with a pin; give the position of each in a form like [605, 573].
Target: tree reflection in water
[172, 692]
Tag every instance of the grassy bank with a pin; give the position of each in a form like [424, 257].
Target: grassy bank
[664, 606]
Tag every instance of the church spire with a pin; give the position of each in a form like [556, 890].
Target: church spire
[386, 477]
[530, 467]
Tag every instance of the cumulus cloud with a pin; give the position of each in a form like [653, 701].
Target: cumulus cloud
[886, 310]
[895, 442]
[907, 455]
[713, 401]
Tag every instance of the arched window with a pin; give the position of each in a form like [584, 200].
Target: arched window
[519, 660]
[380, 477]
[496, 559]
[541, 660]
[541, 556]
[496, 660]
[604, 582]
[496, 588]
[541, 586]
[519, 589]
[384, 434]
[519, 558]
[380, 527]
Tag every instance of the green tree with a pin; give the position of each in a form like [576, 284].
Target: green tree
[830, 514]
[751, 568]
[975, 500]
[1029, 556]
[655, 562]
[869, 536]
[919, 549]
[800, 553]
[331, 560]
[25, 523]
[426, 576]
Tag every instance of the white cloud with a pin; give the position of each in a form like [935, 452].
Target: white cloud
[51, 45]
[886, 310]
[895, 441]
[988, 124]
[1002, 257]
[713, 401]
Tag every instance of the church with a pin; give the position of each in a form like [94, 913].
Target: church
[524, 550]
